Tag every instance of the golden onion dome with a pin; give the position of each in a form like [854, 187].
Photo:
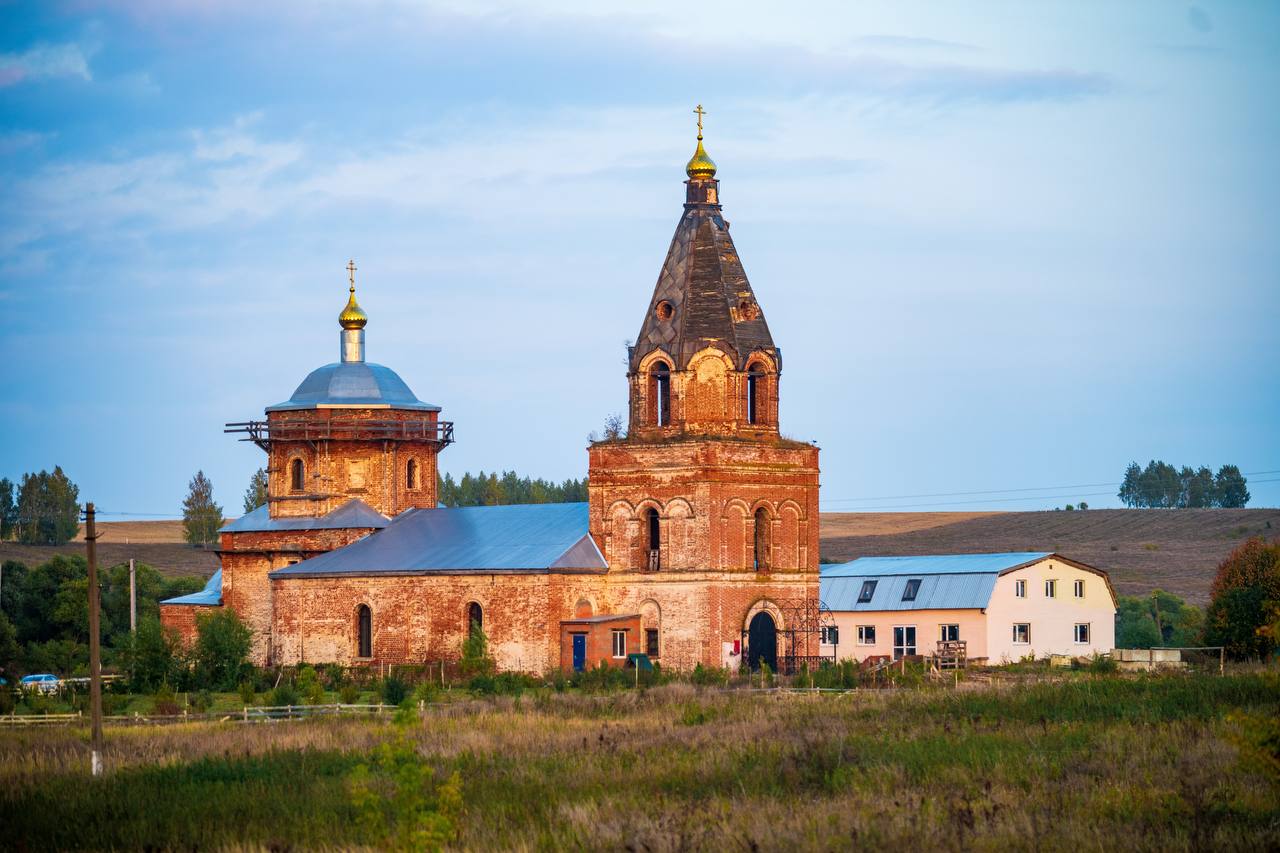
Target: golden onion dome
[353, 316]
[700, 166]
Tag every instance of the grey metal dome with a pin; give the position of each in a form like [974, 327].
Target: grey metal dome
[353, 384]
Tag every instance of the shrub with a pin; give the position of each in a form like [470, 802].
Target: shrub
[475, 654]
[201, 700]
[348, 694]
[333, 676]
[7, 701]
[393, 690]
[309, 685]
[247, 694]
[709, 676]
[285, 694]
[694, 714]
[1102, 664]
[557, 680]
[164, 703]
[428, 692]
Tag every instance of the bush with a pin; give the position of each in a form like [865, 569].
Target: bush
[309, 685]
[393, 690]
[475, 654]
[557, 680]
[7, 701]
[603, 677]
[285, 694]
[709, 676]
[428, 692]
[348, 694]
[1102, 665]
[248, 695]
[164, 703]
[201, 700]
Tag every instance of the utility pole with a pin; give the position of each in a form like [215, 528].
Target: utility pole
[95, 653]
[133, 599]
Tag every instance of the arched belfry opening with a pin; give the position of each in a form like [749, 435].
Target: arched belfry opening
[755, 393]
[654, 539]
[762, 641]
[661, 390]
[364, 632]
[761, 549]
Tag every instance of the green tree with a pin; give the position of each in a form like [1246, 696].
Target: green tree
[1198, 490]
[201, 517]
[1135, 627]
[221, 649]
[1245, 592]
[1231, 488]
[8, 509]
[149, 656]
[1130, 493]
[10, 651]
[256, 495]
[48, 509]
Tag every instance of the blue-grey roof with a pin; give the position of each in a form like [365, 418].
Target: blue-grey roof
[210, 596]
[947, 582]
[353, 513]
[353, 383]
[517, 538]
[935, 564]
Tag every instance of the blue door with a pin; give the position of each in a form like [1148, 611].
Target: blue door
[579, 652]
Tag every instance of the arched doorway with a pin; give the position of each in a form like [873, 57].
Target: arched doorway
[762, 641]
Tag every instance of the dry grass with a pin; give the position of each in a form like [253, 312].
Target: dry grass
[156, 543]
[1085, 763]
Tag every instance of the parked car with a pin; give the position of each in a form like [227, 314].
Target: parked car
[44, 682]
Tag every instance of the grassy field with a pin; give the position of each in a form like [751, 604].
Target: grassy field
[1085, 762]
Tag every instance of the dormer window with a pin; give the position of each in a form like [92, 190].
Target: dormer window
[297, 476]
[913, 587]
[661, 388]
[868, 590]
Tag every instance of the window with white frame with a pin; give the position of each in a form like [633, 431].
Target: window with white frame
[830, 635]
[619, 644]
[1079, 588]
[904, 641]
[1082, 632]
[1022, 633]
[948, 633]
[1050, 589]
[1020, 589]
[866, 635]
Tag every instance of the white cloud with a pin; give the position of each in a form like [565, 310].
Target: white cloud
[43, 61]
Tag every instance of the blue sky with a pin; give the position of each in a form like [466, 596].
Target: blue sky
[1002, 245]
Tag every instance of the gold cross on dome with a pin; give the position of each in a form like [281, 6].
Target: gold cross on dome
[351, 274]
[701, 112]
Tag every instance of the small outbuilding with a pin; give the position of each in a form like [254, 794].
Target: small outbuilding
[999, 607]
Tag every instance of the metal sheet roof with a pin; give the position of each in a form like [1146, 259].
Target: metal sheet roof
[934, 564]
[517, 538]
[210, 596]
[353, 383]
[353, 513]
[947, 581]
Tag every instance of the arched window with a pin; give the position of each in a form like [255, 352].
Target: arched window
[411, 474]
[364, 642]
[762, 540]
[297, 476]
[755, 393]
[661, 393]
[655, 539]
[475, 619]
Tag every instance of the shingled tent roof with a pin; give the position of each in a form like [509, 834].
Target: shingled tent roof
[703, 280]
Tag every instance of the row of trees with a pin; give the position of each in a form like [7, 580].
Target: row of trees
[1160, 485]
[43, 509]
[507, 488]
[44, 612]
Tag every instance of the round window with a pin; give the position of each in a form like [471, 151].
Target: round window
[665, 310]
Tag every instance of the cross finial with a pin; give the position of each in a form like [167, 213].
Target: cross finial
[701, 112]
[351, 274]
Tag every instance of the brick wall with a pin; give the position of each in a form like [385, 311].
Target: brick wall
[182, 619]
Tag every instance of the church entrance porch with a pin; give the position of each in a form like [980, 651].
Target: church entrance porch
[590, 641]
[762, 642]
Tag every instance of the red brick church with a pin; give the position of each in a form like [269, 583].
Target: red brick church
[698, 544]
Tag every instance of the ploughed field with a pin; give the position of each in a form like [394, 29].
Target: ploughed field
[1084, 762]
[156, 543]
[1177, 550]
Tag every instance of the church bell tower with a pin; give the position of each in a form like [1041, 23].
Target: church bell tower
[703, 503]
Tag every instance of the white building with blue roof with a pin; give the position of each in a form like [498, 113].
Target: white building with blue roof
[1003, 607]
